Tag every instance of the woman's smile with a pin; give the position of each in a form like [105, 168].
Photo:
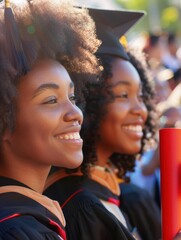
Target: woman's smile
[48, 118]
[135, 131]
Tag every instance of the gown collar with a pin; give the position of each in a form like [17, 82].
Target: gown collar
[17, 187]
[106, 177]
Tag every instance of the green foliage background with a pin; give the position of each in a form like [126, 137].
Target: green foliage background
[166, 12]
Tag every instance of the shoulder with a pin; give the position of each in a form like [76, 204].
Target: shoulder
[86, 215]
[133, 192]
[70, 191]
[81, 201]
[134, 197]
[24, 218]
[26, 228]
[143, 213]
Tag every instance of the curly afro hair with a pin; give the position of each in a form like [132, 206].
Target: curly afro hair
[98, 96]
[47, 29]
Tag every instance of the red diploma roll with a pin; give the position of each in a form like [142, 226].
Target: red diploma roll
[170, 163]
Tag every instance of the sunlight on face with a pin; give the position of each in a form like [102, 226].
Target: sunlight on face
[47, 94]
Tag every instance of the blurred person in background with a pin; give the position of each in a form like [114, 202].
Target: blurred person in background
[170, 58]
[147, 174]
[175, 80]
[154, 49]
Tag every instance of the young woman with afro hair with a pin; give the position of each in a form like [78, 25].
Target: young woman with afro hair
[46, 49]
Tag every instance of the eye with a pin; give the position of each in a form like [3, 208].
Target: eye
[73, 99]
[123, 95]
[51, 100]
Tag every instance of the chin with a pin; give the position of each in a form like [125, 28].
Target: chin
[75, 161]
[131, 150]
[70, 161]
[135, 150]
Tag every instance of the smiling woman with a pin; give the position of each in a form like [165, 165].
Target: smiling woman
[126, 114]
[39, 120]
[46, 111]
[118, 122]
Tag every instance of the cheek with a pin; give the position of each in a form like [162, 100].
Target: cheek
[112, 122]
[116, 114]
[35, 122]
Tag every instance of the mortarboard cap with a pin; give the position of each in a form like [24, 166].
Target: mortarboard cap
[110, 26]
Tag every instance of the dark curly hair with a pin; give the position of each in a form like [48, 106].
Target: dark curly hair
[47, 29]
[98, 96]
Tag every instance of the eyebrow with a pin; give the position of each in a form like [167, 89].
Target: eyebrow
[46, 86]
[121, 82]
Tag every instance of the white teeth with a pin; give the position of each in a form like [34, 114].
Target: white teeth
[68, 136]
[137, 128]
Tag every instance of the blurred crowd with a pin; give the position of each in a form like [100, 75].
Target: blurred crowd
[163, 54]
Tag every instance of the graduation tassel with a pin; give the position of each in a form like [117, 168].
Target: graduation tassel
[13, 42]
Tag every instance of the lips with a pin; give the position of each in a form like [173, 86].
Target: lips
[136, 130]
[69, 136]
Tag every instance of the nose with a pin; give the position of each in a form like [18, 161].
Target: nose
[73, 114]
[139, 108]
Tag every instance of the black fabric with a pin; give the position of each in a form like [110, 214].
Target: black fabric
[120, 21]
[142, 211]
[99, 190]
[110, 26]
[86, 217]
[4, 181]
[32, 222]
[105, 194]
[157, 193]
[139, 209]
[110, 43]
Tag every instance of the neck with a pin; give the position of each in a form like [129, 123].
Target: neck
[103, 155]
[35, 181]
[25, 171]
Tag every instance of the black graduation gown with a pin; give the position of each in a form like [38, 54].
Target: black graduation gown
[23, 218]
[86, 217]
[142, 211]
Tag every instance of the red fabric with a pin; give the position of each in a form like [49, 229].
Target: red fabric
[60, 230]
[170, 159]
[80, 190]
[9, 217]
[115, 201]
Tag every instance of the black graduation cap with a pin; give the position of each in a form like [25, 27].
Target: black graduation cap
[110, 26]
